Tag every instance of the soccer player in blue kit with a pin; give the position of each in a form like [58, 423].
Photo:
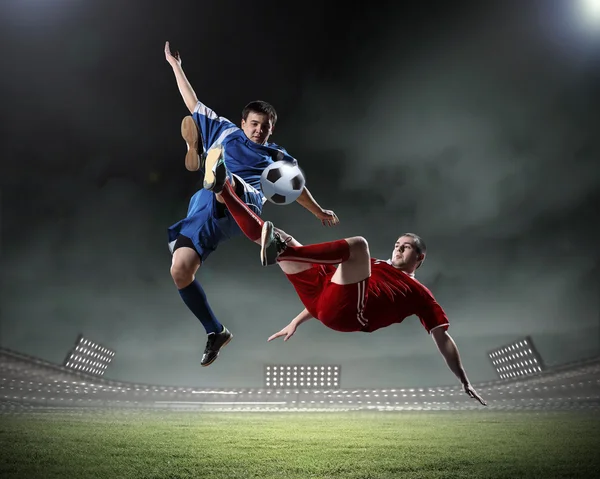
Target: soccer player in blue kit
[247, 152]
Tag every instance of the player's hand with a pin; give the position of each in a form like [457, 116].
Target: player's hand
[327, 217]
[288, 332]
[472, 393]
[173, 58]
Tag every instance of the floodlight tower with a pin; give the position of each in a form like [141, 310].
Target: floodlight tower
[89, 357]
[591, 9]
[517, 359]
[588, 15]
[280, 376]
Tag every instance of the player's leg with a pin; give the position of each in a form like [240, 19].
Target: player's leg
[249, 221]
[336, 296]
[273, 247]
[215, 171]
[357, 267]
[193, 141]
[187, 259]
[352, 254]
[252, 225]
[330, 252]
[184, 265]
[307, 279]
[289, 267]
[340, 304]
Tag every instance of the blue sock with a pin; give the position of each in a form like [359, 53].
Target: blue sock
[195, 298]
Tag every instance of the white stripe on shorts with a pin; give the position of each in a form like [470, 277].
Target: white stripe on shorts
[360, 305]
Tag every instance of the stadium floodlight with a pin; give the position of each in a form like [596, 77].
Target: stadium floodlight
[518, 359]
[89, 357]
[587, 13]
[281, 376]
[591, 8]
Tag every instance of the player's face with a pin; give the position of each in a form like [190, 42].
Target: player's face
[258, 127]
[405, 255]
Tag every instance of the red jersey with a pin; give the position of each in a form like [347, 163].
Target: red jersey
[388, 296]
[393, 295]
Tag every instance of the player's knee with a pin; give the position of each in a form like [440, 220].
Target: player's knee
[358, 246]
[182, 274]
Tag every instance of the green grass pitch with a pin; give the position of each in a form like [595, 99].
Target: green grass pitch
[360, 445]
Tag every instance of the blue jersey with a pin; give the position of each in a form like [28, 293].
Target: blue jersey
[242, 156]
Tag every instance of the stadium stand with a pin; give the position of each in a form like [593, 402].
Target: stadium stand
[27, 383]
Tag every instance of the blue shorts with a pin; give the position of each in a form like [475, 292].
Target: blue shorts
[202, 224]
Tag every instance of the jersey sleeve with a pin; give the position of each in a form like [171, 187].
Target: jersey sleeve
[432, 315]
[214, 128]
[281, 154]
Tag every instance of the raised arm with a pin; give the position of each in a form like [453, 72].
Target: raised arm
[290, 329]
[449, 350]
[327, 217]
[186, 90]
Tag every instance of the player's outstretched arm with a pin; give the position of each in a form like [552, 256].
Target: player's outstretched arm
[449, 350]
[327, 217]
[290, 329]
[186, 90]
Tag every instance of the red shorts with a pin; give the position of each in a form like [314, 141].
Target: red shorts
[338, 306]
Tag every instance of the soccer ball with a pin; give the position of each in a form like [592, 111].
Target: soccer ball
[282, 182]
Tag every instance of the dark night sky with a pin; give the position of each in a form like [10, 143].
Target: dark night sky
[474, 127]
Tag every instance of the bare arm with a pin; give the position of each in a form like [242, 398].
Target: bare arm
[449, 351]
[290, 329]
[307, 200]
[302, 317]
[187, 92]
[448, 348]
[327, 217]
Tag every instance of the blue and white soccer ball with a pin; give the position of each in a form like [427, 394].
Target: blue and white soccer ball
[282, 182]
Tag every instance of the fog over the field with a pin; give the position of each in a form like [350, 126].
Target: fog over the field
[475, 131]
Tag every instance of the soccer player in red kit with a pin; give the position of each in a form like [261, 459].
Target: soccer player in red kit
[339, 283]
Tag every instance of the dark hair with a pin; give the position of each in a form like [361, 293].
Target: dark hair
[419, 245]
[259, 106]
